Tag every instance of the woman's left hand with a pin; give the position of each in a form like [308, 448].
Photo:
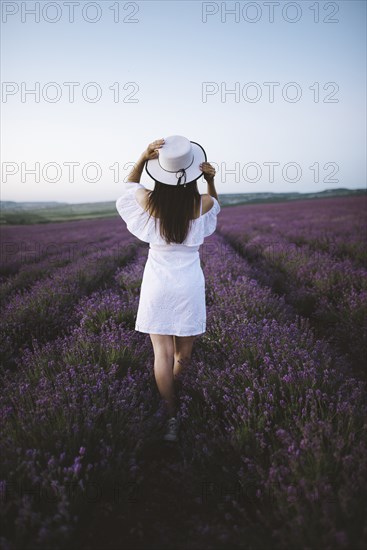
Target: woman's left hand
[151, 152]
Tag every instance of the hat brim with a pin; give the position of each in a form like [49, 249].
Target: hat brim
[157, 173]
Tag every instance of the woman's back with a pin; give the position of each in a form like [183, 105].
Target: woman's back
[205, 204]
[132, 209]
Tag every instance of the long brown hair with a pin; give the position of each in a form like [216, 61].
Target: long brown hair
[175, 206]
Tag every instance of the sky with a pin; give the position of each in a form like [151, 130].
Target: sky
[276, 94]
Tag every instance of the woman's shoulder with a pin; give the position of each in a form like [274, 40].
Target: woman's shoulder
[209, 202]
[142, 196]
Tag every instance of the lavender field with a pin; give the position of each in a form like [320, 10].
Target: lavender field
[273, 448]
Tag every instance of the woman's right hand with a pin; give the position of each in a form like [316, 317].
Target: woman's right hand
[208, 171]
[152, 151]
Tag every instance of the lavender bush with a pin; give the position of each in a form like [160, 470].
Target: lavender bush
[314, 256]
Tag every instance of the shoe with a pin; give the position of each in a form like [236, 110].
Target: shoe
[172, 428]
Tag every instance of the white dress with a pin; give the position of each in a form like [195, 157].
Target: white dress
[172, 294]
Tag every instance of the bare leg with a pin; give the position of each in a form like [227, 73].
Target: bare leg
[182, 352]
[163, 369]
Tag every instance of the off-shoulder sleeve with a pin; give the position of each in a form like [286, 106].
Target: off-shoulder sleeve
[133, 213]
[210, 218]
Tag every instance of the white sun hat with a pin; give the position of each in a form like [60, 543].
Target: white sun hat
[178, 161]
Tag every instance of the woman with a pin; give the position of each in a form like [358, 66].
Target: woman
[174, 218]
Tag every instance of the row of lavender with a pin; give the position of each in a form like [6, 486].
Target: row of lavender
[35, 252]
[38, 298]
[69, 384]
[272, 427]
[315, 254]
